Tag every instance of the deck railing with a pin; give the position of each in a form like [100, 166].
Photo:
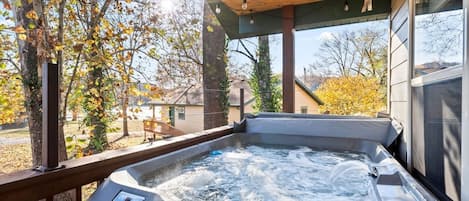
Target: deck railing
[32, 185]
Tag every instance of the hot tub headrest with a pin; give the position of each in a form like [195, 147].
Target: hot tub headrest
[374, 129]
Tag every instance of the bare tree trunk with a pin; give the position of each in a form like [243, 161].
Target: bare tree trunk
[31, 85]
[60, 62]
[125, 105]
[125, 98]
[214, 71]
[74, 115]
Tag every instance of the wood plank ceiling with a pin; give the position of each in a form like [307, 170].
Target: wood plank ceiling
[261, 5]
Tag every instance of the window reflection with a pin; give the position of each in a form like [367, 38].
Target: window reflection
[438, 35]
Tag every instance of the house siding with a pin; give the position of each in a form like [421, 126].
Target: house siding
[303, 99]
[194, 121]
[399, 70]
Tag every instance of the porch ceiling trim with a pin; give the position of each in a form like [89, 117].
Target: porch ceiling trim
[307, 16]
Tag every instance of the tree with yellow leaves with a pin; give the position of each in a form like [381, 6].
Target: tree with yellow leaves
[11, 97]
[358, 85]
[352, 95]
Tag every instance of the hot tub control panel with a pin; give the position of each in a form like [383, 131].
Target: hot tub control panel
[124, 196]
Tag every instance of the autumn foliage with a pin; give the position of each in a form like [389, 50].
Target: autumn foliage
[107, 53]
[352, 95]
[11, 97]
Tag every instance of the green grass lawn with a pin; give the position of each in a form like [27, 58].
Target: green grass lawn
[73, 128]
[15, 133]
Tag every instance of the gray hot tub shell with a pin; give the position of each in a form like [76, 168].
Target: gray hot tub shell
[362, 135]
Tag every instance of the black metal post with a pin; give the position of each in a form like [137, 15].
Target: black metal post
[241, 104]
[50, 117]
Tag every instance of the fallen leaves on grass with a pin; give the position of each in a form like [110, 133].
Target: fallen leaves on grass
[87, 190]
[15, 157]
[126, 142]
[18, 157]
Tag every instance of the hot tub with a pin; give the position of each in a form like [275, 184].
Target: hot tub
[276, 157]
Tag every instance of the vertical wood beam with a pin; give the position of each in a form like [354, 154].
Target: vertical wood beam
[288, 74]
[50, 117]
[241, 104]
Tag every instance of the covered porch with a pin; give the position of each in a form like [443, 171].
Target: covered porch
[258, 18]
[287, 17]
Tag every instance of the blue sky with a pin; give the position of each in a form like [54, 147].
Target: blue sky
[431, 34]
[306, 44]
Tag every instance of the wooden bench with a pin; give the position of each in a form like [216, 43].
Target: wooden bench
[162, 129]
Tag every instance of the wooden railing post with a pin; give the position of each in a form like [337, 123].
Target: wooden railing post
[78, 193]
[241, 104]
[50, 117]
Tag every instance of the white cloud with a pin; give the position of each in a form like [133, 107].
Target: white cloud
[326, 36]
[167, 6]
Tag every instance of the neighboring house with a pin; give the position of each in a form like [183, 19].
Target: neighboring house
[427, 68]
[184, 108]
[313, 81]
[306, 102]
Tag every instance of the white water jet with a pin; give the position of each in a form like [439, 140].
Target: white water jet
[347, 166]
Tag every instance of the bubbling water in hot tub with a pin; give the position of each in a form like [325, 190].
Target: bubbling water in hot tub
[266, 173]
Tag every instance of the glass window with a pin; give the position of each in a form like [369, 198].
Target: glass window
[304, 109]
[438, 35]
[436, 106]
[181, 111]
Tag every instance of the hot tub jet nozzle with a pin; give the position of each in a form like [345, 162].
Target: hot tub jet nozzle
[374, 172]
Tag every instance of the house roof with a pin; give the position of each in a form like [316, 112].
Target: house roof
[308, 91]
[194, 94]
[427, 68]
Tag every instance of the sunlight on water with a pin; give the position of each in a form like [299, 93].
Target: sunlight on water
[266, 173]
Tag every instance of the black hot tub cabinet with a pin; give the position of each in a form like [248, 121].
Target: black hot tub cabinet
[362, 135]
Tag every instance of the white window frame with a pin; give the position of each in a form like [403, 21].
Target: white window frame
[180, 110]
[305, 108]
[465, 108]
